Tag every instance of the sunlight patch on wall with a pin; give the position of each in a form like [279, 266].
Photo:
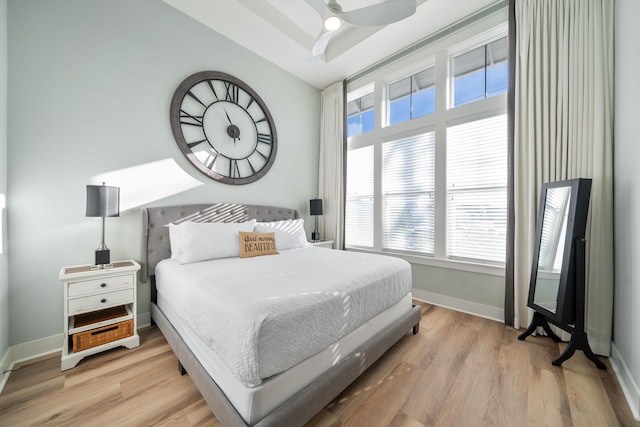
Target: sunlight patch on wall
[147, 183]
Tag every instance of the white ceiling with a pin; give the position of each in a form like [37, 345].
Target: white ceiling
[283, 32]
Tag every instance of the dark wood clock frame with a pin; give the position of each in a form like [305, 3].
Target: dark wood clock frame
[240, 170]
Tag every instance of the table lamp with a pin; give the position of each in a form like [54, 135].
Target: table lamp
[103, 201]
[315, 208]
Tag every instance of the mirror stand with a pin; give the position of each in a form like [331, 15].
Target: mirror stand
[579, 339]
[539, 320]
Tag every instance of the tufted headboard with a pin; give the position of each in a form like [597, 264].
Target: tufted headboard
[155, 233]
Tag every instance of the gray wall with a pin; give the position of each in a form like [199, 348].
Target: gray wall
[90, 84]
[480, 288]
[627, 185]
[4, 276]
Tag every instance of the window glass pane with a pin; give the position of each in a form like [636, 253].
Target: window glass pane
[497, 67]
[469, 76]
[400, 89]
[400, 101]
[480, 73]
[367, 121]
[469, 88]
[408, 194]
[424, 102]
[412, 97]
[360, 115]
[477, 190]
[400, 110]
[359, 200]
[497, 79]
[423, 93]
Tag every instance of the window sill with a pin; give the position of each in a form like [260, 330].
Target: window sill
[493, 270]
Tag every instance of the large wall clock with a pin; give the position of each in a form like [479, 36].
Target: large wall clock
[223, 127]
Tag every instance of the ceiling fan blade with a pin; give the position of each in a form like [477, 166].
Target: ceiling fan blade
[380, 14]
[321, 44]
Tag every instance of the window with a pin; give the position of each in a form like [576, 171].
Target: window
[359, 206]
[412, 97]
[360, 115]
[435, 187]
[480, 73]
[408, 172]
[477, 189]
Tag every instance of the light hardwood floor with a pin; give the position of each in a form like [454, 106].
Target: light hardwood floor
[459, 370]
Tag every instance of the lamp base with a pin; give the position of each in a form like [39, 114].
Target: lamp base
[103, 256]
[315, 236]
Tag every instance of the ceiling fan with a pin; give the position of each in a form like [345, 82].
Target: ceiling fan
[370, 16]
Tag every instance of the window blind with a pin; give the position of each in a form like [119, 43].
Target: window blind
[359, 200]
[477, 190]
[408, 194]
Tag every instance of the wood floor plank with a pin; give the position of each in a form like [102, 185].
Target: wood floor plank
[323, 418]
[199, 415]
[584, 386]
[546, 399]
[452, 347]
[384, 399]
[459, 370]
[508, 400]
[476, 380]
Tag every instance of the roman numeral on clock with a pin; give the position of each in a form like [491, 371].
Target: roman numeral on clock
[265, 138]
[232, 92]
[195, 120]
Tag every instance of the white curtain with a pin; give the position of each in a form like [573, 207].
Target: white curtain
[330, 164]
[563, 122]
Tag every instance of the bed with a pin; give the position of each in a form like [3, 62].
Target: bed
[288, 387]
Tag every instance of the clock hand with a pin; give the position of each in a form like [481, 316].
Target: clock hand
[233, 131]
[228, 118]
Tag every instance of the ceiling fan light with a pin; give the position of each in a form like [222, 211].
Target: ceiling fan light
[332, 23]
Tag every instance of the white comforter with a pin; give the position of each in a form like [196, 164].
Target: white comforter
[266, 314]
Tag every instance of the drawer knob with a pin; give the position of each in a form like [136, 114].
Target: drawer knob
[104, 285]
[103, 300]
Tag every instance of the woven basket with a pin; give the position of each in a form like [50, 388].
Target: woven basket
[103, 335]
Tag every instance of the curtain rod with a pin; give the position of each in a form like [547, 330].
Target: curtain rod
[480, 14]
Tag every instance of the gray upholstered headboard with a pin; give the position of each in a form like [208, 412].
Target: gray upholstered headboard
[155, 234]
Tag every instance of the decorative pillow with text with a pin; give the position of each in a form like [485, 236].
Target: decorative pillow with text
[256, 244]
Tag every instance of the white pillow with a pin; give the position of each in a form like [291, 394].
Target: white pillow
[290, 233]
[200, 241]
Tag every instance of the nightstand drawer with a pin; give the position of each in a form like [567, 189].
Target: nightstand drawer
[100, 301]
[106, 284]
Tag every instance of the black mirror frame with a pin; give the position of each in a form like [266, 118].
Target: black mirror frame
[576, 228]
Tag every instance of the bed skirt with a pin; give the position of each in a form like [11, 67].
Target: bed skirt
[305, 404]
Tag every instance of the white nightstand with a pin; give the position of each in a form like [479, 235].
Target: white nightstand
[323, 243]
[99, 310]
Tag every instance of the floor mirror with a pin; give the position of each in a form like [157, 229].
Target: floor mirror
[557, 285]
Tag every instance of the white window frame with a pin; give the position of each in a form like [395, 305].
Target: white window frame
[438, 54]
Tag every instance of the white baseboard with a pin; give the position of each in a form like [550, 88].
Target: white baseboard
[41, 347]
[464, 306]
[627, 382]
[36, 348]
[27, 351]
[144, 320]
